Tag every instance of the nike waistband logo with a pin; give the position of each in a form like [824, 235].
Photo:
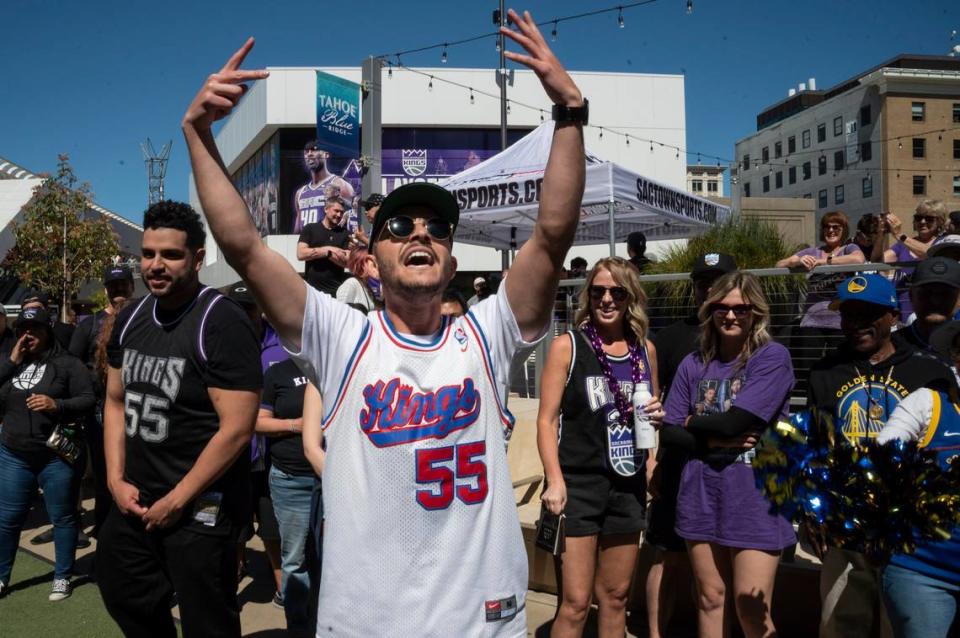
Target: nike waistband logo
[951, 434]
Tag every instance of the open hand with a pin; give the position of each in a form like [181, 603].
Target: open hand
[222, 91]
[558, 84]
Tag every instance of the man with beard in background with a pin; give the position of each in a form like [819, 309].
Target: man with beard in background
[309, 199]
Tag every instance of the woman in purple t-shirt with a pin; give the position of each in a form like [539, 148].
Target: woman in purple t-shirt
[594, 473]
[822, 287]
[929, 222]
[721, 398]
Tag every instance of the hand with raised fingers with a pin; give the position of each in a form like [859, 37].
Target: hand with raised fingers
[222, 91]
[558, 84]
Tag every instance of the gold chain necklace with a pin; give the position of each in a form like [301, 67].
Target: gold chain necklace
[874, 409]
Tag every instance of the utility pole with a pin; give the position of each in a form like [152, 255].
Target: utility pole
[371, 115]
[500, 19]
[156, 169]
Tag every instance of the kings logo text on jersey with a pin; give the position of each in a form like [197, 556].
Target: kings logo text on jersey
[398, 414]
[164, 373]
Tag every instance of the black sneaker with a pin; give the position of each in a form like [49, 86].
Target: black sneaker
[83, 541]
[278, 600]
[43, 537]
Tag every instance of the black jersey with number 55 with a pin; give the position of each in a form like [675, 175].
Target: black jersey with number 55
[168, 361]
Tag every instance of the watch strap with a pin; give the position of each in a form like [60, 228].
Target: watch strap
[577, 114]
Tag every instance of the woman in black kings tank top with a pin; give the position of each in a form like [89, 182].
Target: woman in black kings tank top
[595, 475]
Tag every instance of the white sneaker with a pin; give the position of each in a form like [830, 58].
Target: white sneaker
[3, 589]
[61, 589]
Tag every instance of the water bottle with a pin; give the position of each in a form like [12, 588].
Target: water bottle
[644, 434]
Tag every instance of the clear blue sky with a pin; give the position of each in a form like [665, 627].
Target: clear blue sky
[94, 79]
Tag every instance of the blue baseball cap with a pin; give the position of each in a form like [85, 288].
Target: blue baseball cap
[869, 288]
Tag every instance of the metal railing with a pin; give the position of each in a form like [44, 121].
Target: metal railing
[786, 292]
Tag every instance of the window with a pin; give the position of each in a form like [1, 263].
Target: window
[919, 184]
[746, 162]
[822, 198]
[838, 194]
[711, 187]
[822, 165]
[865, 115]
[777, 150]
[792, 175]
[838, 125]
[918, 111]
[956, 149]
[837, 160]
[779, 181]
[956, 185]
[746, 189]
[919, 148]
[791, 144]
[956, 112]
[866, 152]
[867, 187]
[806, 170]
[766, 183]
[697, 186]
[765, 153]
[821, 133]
[805, 139]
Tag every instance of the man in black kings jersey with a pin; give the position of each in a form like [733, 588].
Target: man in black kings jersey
[181, 402]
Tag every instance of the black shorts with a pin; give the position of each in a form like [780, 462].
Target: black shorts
[267, 527]
[663, 509]
[603, 504]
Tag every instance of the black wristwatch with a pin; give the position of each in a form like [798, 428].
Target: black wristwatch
[903, 238]
[575, 114]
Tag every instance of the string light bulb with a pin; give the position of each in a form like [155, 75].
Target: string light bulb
[430, 86]
[471, 96]
[899, 144]
[678, 154]
[443, 56]
[390, 72]
[541, 115]
[508, 106]
[620, 18]
[601, 132]
[553, 34]
[651, 146]
[628, 140]
[689, 7]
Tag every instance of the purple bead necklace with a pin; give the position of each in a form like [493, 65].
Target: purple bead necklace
[636, 353]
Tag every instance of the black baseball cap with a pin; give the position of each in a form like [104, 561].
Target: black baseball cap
[117, 273]
[375, 199]
[436, 198]
[38, 316]
[937, 270]
[240, 293]
[712, 263]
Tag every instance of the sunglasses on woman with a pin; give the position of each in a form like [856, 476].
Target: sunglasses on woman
[617, 293]
[739, 311]
[401, 227]
[929, 219]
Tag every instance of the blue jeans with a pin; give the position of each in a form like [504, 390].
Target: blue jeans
[291, 504]
[919, 606]
[18, 483]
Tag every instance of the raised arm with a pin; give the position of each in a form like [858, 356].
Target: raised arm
[275, 284]
[532, 284]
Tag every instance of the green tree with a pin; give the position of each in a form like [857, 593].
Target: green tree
[57, 248]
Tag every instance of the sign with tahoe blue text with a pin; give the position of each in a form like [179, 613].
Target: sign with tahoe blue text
[338, 115]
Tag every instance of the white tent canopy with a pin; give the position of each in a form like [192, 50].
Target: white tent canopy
[499, 199]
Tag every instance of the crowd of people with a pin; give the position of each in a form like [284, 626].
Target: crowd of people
[393, 387]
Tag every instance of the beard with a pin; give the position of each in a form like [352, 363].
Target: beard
[391, 283]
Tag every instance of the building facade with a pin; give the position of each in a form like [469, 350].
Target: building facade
[432, 128]
[881, 141]
[706, 181]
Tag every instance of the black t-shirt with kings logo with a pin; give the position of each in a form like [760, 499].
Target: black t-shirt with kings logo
[283, 388]
[168, 361]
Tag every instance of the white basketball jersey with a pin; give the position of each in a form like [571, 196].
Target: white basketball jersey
[421, 532]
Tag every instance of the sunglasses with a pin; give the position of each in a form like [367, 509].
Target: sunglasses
[402, 227]
[617, 293]
[929, 219]
[739, 311]
[833, 228]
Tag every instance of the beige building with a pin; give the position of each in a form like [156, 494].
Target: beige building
[705, 181]
[881, 141]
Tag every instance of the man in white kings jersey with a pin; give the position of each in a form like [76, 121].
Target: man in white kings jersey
[421, 533]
